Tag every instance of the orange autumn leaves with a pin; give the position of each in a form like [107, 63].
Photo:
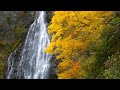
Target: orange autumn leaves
[72, 32]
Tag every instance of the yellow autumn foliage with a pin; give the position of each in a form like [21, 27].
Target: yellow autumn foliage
[72, 32]
[69, 70]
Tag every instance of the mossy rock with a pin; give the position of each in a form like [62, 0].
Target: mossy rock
[1, 70]
[19, 32]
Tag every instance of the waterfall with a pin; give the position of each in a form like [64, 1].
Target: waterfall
[34, 63]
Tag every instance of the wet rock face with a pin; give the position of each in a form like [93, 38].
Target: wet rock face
[14, 26]
[14, 62]
[10, 20]
[53, 68]
[49, 16]
[13, 29]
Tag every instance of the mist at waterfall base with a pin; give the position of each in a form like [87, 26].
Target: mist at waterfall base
[34, 63]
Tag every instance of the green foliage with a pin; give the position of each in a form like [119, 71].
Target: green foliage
[112, 70]
[19, 32]
[109, 44]
[86, 63]
[115, 20]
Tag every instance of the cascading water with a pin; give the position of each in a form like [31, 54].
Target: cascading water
[34, 62]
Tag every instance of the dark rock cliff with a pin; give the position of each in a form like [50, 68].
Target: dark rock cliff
[13, 29]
